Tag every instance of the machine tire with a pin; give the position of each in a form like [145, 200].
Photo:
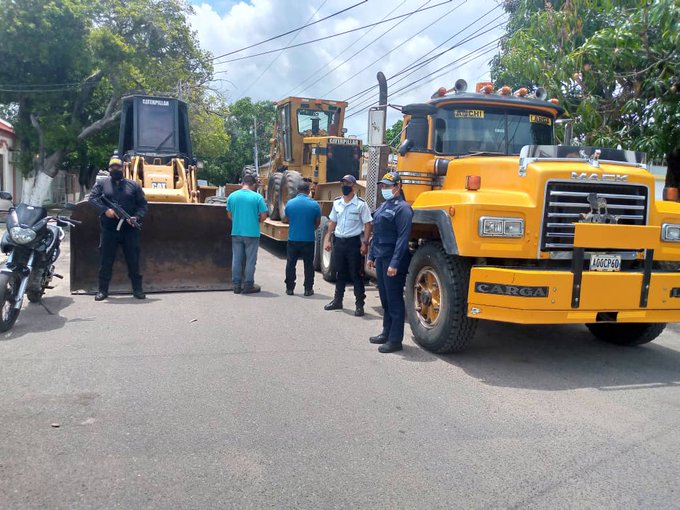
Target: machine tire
[273, 189]
[318, 244]
[34, 296]
[451, 329]
[631, 333]
[325, 258]
[222, 201]
[287, 190]
[9, 284]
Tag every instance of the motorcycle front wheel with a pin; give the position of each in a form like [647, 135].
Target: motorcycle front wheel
[9, 286]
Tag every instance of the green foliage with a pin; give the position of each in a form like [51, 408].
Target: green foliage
[67, 63]
[612, 64]
[393, 134]
[238, 122]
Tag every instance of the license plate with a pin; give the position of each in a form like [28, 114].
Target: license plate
[605, 262]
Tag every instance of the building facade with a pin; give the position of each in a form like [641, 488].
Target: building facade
[10, 179]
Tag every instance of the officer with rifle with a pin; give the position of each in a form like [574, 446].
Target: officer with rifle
[121, 204]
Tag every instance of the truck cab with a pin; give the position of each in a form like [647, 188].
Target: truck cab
[510, 226]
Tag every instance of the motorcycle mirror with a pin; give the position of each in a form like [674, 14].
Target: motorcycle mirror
[69, 206]
[5, 195]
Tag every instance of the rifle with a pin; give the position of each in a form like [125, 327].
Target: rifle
[120, 212]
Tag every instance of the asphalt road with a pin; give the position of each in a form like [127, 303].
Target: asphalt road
[215, 400]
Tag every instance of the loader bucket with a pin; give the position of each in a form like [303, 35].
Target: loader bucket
[184, 247]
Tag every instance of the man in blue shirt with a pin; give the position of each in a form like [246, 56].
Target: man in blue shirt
[304, 215]
[246, 209]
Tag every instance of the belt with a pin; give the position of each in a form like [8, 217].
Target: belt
[346, 238]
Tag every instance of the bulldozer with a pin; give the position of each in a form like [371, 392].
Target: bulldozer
[185, 244]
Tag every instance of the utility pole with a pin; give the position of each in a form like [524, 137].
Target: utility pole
[257, 165]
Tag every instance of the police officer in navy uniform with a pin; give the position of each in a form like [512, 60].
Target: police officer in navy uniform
[390, 256]
[130, 196]
[349, 219]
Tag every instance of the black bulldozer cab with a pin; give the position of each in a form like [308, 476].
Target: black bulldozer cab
[154, 127]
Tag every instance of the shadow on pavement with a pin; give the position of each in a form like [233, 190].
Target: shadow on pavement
[557, 358]
[39, 317]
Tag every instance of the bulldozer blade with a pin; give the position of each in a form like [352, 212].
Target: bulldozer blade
[184, 247]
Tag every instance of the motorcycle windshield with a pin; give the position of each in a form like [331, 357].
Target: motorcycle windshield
[29, 215]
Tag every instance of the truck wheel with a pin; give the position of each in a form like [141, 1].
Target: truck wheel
[326, 258]
[436, 300]
[9, 285]
[288, 190]
[630, 333]
[318, 244]
[273, 188]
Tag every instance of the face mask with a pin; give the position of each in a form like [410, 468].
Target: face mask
[116, 175]
[346, 190]
[387, 193]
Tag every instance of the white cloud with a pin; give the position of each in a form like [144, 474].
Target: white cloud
[249, 22]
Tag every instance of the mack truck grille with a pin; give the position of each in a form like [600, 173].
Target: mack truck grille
[568, 203]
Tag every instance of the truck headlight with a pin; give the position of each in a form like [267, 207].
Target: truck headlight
[670, 232]
[501, 227]
[22, 235]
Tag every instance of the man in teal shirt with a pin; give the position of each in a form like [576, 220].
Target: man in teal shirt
[246, 209]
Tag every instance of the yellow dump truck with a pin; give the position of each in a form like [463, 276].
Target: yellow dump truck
[509, 226]
[309, 143]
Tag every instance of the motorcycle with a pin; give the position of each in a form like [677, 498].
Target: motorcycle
[32, 245]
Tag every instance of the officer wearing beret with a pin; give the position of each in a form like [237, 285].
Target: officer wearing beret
[390, 256]
[349, 219]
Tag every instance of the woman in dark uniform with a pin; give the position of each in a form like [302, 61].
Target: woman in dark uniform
[390, 256]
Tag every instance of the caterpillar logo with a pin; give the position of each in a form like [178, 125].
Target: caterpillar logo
[156, 102]
[585, 176]
[344, 141]
[511, 290]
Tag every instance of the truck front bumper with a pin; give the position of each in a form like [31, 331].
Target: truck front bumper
[528, 296]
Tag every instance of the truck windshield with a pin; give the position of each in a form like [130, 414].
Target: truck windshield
[465, 129]
[156, 126]
[314, 122]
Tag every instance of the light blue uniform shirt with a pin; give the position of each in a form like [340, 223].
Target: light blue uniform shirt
[245, 207]
[350, 217]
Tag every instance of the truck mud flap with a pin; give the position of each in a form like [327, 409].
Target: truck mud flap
[184, 247]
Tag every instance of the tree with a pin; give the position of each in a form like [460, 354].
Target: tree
[67, 63]
[393, 134]
[614, 66]
[239, 126]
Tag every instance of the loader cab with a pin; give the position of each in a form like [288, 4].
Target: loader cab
[154, 141]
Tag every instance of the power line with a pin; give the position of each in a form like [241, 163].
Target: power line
[460, 61]
[415, 63]
[289, 32]
[415, 68]
[363, 48]
[313, 74]
[284, 49]
[395, 48]
[334, 35]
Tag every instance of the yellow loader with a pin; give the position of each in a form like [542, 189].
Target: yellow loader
[185, 244]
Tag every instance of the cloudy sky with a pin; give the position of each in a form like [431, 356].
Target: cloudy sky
[342, 67]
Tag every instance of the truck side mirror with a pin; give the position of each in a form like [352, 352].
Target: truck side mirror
[5, 195]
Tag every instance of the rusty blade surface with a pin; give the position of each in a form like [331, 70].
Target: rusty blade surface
[184, 247]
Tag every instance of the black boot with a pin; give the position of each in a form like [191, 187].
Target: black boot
[101, 296]
[378, 339]
[390, 347]
[139, 294]
[336, 304]
[359, 310]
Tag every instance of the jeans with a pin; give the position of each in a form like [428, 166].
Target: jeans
[305, 251]
[244, 250]
[108, 245]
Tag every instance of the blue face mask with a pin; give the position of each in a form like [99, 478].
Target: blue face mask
[387, 193]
